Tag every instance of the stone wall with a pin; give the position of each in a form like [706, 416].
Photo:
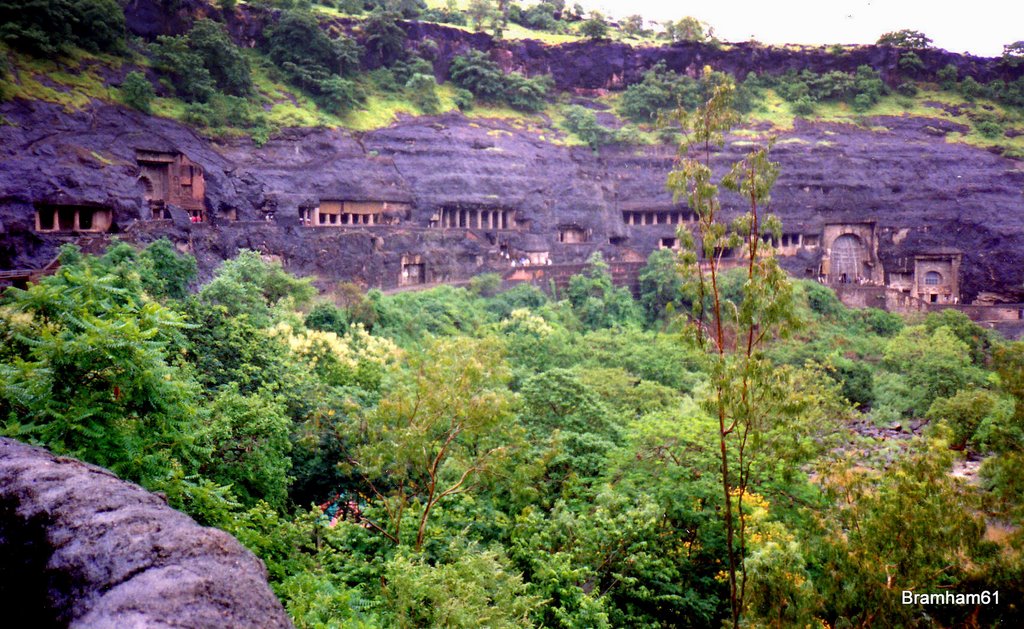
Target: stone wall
[81, 548]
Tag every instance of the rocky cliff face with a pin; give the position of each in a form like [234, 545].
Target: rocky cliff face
[586, 64]
[922, 193]
[80, 548]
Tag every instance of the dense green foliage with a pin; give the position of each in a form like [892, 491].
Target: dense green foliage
[50, 27]
[472, 457]
[500, 455]
[476, 72]
[137, 92]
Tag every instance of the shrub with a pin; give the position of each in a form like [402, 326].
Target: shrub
[312, 60]
[963, 413]
[137, 92]
[804, 106]
[463, 99]
[910, 63]
[423, 92]
[50, 27]
[595, 27]
[881, 322]
[948, 77]
[475, 72]
[185, 67]
[989, 128]
[823, 300]
[338, 95]
[582, 123]
[485, 284]
[905, 38]
[225, 62]
[907, 88]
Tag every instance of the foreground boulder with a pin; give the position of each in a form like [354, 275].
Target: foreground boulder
[81, 548]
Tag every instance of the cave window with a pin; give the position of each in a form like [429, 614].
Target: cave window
[66, 218]
[571, 234]
[46, 217]
[934, 298]
[667, 243]
[414, 273]
[85, 219]
[932, 278]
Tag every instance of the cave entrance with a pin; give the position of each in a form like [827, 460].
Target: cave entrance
[848, 257]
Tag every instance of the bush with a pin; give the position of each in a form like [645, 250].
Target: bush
[338, 95]
[475, 72]
[804, 106]
[312, 60]
[423, 93]
[881, 322]
[137, 92]
[823, 300]
[907, 88]
[185, 67]
[203, 61]
[989, 128]
[595, 27]
[582, 123]
[948, 77]
[905, 38]
[463, 99]
[384, 38]
[225, 62]
[485, 284]
[51, 27]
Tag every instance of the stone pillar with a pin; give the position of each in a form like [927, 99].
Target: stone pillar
[479, 218]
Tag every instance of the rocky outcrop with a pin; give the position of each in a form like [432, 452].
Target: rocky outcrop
[81, 548]
[923, 193]
[586, 64]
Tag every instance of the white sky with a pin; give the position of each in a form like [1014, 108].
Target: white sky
[980, 27]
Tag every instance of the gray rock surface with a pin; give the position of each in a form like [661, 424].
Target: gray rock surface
[924, 193]
[81, 548]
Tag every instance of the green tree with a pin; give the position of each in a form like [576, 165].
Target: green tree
[633, 26]
[687, 29]
[383, 37]
[1013, 54]
[595, 27]
[481, 13]
[934, 365]
[165, 273]
[437, 433]
[95, 379]
[137, 92]
[51, 27]
[476, 588]
[582, 123]
[660, 286]
[248, 439]
[225, 61]
[905, 38]
[597, 301]
[248, 285]
[909, 528]
[174, 57]
[745, 393]
[315, 62]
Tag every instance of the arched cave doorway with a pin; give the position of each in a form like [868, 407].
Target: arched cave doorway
[848, 257]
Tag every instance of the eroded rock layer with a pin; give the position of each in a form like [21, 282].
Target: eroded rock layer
[81, 548]
[424, 200]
